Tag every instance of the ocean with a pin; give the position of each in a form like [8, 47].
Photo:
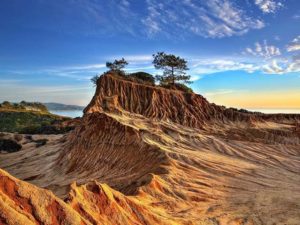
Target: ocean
[68, 113]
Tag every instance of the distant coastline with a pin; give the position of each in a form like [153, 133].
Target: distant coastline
[53, 106]
[275, 111]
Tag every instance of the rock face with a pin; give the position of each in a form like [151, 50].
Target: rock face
[93, 203]
[148, 155]
[114, 152]
[187, 109]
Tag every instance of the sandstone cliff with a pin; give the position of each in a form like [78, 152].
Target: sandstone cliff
[148, 155]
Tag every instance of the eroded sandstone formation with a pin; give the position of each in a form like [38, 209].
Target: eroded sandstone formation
[148, 155]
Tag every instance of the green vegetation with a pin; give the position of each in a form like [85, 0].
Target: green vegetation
[178, 86]
[94, 79]
[26, 122]
[117, 65]
[23, 106]
[173, 77]
[60, 106]
[142, 77]
[9, 145]
[28, 118]
[173, 66]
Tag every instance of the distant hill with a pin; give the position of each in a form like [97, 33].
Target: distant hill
[59, 106]
[28, 117]
[23, 106]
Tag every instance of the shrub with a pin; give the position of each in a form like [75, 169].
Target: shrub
[6, 104]
[117, 65]
[33, 129]
[49, 129]
[143, 77]
[9, 145]
[179, 87]
[95, 79]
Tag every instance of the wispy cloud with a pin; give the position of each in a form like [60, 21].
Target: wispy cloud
[265, 58]
[218, 92]
[294, 45]
[263, 50]
[289, 64]
[171, 18]
[214, 18]
[215, 65]
[269, 6]
[74, 72]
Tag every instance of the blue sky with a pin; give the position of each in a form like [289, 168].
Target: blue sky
[240, 53]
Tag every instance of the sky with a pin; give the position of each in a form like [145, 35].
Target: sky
[240, 53]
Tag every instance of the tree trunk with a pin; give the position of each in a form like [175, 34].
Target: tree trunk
[173, 78]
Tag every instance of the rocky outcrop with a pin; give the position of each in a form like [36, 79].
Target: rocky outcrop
[22, 203]
[92, 203]
[114, 152]
[114, 94]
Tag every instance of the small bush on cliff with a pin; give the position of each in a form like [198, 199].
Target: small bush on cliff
[94, 79]
[178, 86]
[142, 77]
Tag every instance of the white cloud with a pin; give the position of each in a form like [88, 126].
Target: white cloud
[269, 6]
[263, 50]
[208, 66]
[282, 67]
[170, 18]
[85, 67]
[75, 72]
[294, 45]
[273, 62]
[286, 65]
[268, 59]
[214, 18]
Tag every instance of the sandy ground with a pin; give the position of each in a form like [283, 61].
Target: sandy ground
[215, 176]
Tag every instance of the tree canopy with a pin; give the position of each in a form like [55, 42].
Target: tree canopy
[174, 68]
[117, 65]
[94, 79]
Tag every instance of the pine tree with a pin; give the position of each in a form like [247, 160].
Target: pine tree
[173, 68]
